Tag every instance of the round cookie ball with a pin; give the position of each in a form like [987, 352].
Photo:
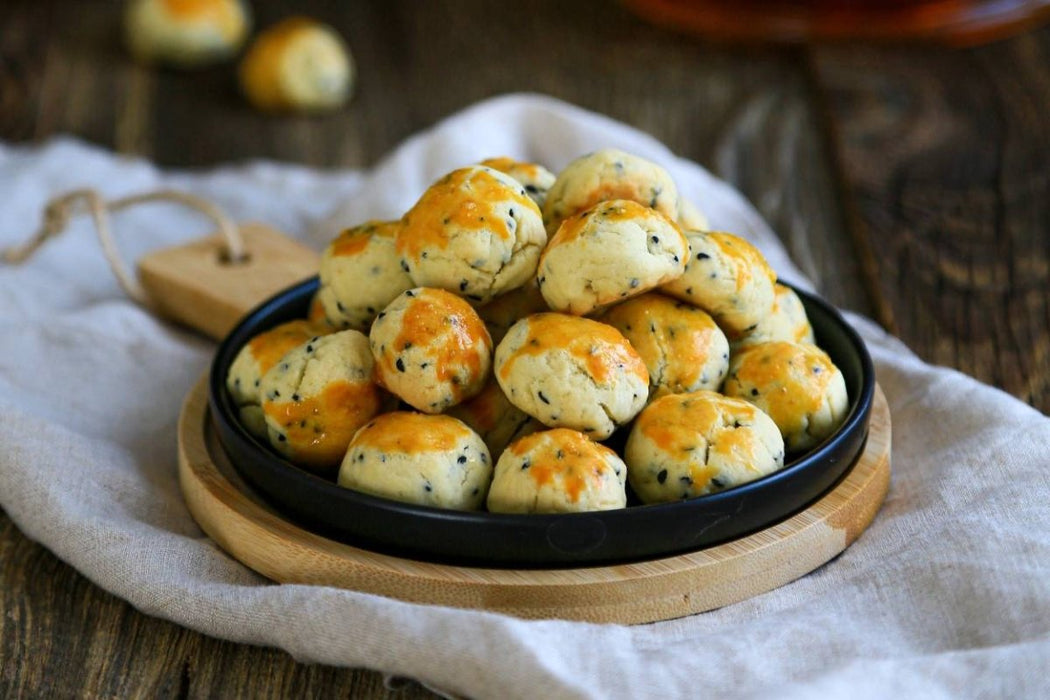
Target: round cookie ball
[727, 277]
[797, 385]
[185, 33]
[613, 251]
[609, 174]
[557, 471]
[686, 445]
[317, 396]
[494, 418]
[682, 346]
[507, 309]
[474, 232]
[297, 64]
[572, 372]
[690, 218]
[361, 273]
[414, 458]
[255, 359]
[535, 178]
[787, 321]
[431, 349]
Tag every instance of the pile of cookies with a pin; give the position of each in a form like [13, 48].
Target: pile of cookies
[479, 351]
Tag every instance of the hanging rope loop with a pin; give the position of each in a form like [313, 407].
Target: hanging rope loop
[59, 211]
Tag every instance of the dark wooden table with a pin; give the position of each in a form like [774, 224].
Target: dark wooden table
[910, 183]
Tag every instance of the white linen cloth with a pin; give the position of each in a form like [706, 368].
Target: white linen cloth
[946, 595]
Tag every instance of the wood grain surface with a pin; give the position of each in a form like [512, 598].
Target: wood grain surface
[909, 182]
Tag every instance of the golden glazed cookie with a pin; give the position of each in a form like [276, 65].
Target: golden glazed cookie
[431, 349]
[682, 346]
[727, 277]
[557, 471]
[361, 273]
[317, 396]
[613, 251]
[185, 32]
[256, 358]
[787, 321]
[535, 178]
[572, 372]
[492, 416]
[474, 232]
[297, 64]
[686, 445]
[604, 175]
[797, 385]
[415, 458]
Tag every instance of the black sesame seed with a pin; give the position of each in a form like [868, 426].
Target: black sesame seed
[654, 239]
[309, 348]
[381, 315]
[717, 483]
[428, 488]
[531, 188]
[702, 256]
[295, 397]
[689, 291]
[361, 457]
[676, 258]
[276, 393]
[370, 309]
[461, 459]
[560, 454]
[462, 285]
[409, 293]
[256, 382]
[404, 266]
[662, 476]
[400, 364]
[635, 282]
[754, 391]
[512, 211]
[339, 305]
[281, 437]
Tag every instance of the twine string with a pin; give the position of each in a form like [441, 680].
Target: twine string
[58, 212]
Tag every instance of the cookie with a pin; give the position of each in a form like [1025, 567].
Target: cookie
[431, 349]
[492, 416]
[317, 396]
[255, 359]
[535, 178]
[604, 175]
[557, 471]
[572, 372]
[297, 65]
[474, 232]
[786, 321]
[686, 445]
[682, 346]
[361, 273]
[796, 384]
[613, 251]
[727, 277]
[185, 34]
[415, 458]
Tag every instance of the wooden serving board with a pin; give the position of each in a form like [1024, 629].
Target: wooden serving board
[261, 538]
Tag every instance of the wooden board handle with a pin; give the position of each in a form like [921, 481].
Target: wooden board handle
[196, 285]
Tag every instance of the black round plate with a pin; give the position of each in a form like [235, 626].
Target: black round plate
[554, 540]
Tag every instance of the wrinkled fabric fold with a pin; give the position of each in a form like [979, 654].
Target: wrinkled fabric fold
[945, 595]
